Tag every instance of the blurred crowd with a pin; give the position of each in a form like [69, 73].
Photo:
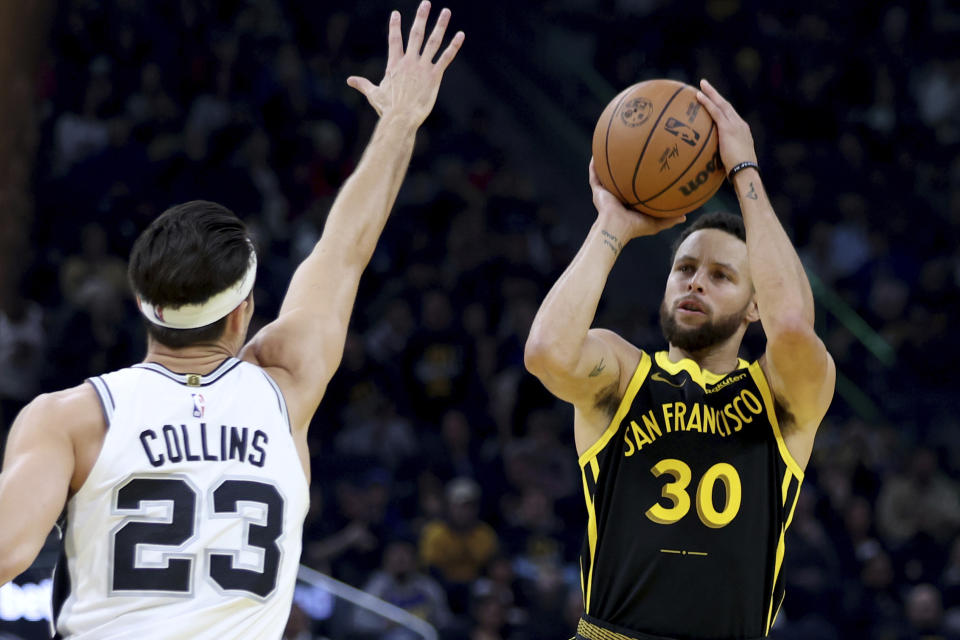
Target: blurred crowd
[445, 478]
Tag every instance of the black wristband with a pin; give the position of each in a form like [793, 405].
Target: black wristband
[740, 167]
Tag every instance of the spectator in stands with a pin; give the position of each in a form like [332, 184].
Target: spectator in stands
[351, 535]
[499, 582]
[94, 262]
[458, 455]
[398, 582]
[920, 500]
[924, 609]
[876, 610]
[299, 625]
[378, 433]
[489, 620]
[459, 547]
[22, 344]
[440, 359]
[950, 580]
[549, 604]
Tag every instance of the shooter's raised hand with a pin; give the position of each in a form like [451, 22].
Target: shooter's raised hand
[736, 141]
[412, 79]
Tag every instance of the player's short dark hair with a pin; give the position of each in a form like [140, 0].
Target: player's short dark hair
[722, 220]
[191, 252]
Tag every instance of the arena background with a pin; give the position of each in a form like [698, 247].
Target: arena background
[111, 111]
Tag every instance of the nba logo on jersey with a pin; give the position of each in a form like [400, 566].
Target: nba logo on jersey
[198, 405]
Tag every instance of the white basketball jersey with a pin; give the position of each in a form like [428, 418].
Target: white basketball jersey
[189, 524]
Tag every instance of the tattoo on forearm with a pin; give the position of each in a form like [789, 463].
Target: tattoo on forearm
[612, 241]
[752, 194]
[597, 369]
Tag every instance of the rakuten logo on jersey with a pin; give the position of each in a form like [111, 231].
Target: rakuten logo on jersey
[29, 601]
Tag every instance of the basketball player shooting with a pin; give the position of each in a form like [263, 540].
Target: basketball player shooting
[692, 458]
[184, 479]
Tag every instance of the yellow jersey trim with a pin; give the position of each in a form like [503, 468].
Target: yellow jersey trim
[586, 587]
[785, 487]
[756, 372]
[702, 377]
[781, 547]
[639, 375]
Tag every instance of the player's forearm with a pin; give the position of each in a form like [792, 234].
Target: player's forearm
[11, 553]
[363, 205]
[563, 320]
[358, 214]
[19, 543]
[783, 291]
[14, 560]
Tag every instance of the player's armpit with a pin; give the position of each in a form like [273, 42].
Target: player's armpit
[802, 377]
[301, 350]
[35, 481]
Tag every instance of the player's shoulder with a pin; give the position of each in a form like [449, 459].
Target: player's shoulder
[73, 406]
[615, 340]
[65, 400]
[627, 353]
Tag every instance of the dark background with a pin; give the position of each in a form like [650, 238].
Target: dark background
[114, 110]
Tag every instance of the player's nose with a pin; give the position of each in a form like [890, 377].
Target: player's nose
[695, 283]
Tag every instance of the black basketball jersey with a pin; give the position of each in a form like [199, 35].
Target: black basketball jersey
[689, 493]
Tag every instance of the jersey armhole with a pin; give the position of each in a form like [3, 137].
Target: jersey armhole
[107, 404]
[281, 401]
[756, 372]
[639, 375]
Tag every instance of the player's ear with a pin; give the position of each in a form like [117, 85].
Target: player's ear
[753, 310]
[236, 319]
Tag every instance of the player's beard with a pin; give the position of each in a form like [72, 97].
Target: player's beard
[708, 334]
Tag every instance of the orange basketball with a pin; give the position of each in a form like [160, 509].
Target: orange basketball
[655, 148]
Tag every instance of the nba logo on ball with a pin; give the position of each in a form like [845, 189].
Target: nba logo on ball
[686, 134]
[636, 111]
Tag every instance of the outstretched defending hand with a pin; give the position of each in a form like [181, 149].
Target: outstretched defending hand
[736, 141]
[411, 80]
[636, 224]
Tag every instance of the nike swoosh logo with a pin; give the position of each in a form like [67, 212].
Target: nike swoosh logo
[659, 378]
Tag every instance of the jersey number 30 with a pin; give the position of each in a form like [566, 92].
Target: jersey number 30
[173, 574]
[676, 492]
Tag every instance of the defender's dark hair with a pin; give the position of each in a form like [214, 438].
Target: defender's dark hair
[732, 224]
[191, 252]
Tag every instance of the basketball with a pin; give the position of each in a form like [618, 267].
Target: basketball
[655, 148]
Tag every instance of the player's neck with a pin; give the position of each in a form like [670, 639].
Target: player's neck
[720, 359]
[200, 359]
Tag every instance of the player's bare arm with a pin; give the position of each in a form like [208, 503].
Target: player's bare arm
[303, 347]
[800, 370]
[52, 445]
[580, 365]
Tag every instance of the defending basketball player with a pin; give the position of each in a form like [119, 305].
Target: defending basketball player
[692, 458]
[184, 478]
